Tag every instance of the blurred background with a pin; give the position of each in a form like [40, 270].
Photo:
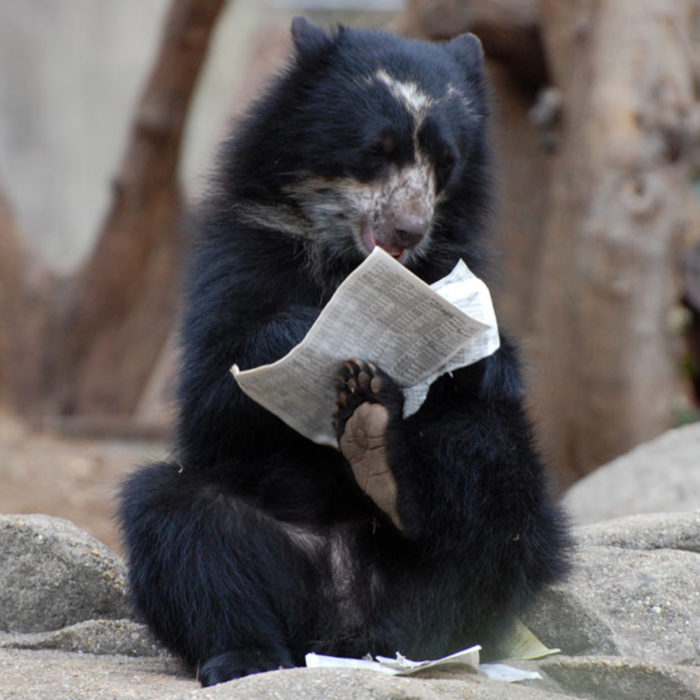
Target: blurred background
[110, 113]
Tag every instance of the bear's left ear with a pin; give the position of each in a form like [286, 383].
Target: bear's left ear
[467, 49]
[308, 38]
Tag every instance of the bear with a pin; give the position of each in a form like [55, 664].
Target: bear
[252, 546]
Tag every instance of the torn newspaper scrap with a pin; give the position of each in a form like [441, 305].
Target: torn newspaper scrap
[400, 666]
[385, 314]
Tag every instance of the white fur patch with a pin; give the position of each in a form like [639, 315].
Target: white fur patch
[341, 209]
[343, 214]
[306, 540]
[408, 93]
[274, 217]
[453, 92]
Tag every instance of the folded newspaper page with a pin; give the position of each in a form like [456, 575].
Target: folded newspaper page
[381, 313]
[400, 666]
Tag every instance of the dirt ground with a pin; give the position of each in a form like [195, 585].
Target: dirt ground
[72, 478]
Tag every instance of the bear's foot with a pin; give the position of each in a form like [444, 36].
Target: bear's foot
[367, 401]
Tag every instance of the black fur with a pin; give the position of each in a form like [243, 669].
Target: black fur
[254, 545]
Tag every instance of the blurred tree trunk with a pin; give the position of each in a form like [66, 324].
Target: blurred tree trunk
[515, 62]
[26, 292]
[508, 29]
[618, 197]
[67, 346]
[594, 204]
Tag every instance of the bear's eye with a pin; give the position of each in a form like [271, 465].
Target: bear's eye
[383, 147]
[444, 167]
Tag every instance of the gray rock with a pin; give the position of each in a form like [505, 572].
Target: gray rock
[52, 675]
[615, 678]
[659, 476]
[658, 531]
[563, 618]
[634, 591]
[52, 575]
[91, 637]
[353, 684]
[628, 617]
[59, 675]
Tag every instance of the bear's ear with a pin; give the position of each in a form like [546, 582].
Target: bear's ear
[308, 38]
[467, 49]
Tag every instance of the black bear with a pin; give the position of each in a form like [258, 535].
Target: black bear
[254, 545]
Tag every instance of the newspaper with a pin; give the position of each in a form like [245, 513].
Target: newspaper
[399, 666]
[384, 314]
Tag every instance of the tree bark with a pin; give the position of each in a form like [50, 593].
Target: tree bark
[87, 344]
[618, 191]
[522, 165]
[515, 63]
[124, 296]
[508, 29]
[12, 273]
[25, 293]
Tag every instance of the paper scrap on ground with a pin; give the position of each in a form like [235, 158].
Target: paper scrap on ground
[522, 644]
[381, 313]
[400, 666]
[507, 674]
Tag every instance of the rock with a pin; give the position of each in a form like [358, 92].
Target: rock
[658, 531]
[51, 675]
[564, 619]
[58, 675]
[92, 636]
[353, 684]
[644, 605]
[52, 575]
[634, 591]
[615, 678]
[659, 476]
[627, 618]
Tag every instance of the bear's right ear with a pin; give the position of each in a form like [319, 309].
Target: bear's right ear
[308, 38]
[467, 49]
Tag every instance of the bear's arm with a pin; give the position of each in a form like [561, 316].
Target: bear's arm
[217, 420]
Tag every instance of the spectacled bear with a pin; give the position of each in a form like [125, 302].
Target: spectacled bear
[253, 545]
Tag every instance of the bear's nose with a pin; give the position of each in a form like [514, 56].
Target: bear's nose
[409, 230]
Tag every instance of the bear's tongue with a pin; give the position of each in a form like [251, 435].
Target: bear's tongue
[370, 241]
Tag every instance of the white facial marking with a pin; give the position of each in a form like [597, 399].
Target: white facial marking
[453, 92]
[348, 216]
[347, 213]
[274, 217]
[409, 94]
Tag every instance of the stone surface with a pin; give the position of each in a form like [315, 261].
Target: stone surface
[56, 675]
[52, 575]
[627, 618]
[658, 531]
[640, 604]
[353, 684]
[615, 678]
[659, 476]
[51, 675]
[124, 637]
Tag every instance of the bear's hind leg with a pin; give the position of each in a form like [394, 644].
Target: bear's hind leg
[242, 662]
[219, 582]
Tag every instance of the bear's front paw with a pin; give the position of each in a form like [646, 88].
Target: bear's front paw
[368, 399]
